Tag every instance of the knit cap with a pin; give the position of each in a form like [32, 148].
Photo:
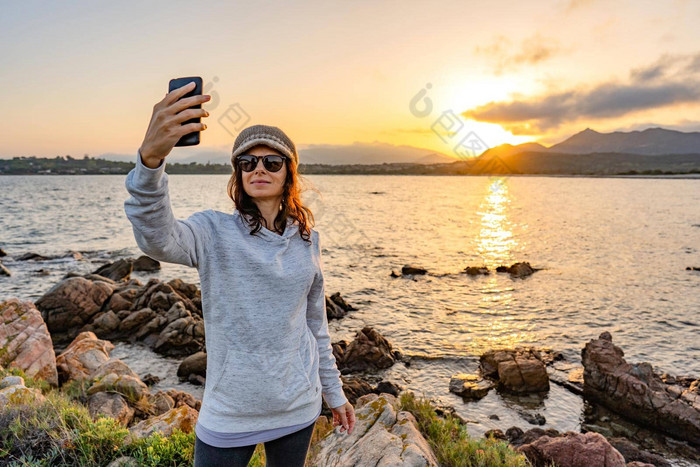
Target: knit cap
[270, 136]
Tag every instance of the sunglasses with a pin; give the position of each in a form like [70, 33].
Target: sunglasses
[272, 162]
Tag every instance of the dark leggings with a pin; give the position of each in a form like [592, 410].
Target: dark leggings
[289, 450]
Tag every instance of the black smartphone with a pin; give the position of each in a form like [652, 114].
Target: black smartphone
[190, 139]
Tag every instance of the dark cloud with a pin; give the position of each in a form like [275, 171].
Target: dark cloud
[531, 50]
[670, 80]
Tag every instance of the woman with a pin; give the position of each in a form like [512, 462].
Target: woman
[269, 358]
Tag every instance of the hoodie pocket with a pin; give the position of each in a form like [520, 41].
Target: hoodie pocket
[254, 383]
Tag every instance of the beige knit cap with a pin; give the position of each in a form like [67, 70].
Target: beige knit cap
[270, 136]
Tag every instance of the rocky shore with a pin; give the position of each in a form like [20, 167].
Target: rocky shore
[634, 416]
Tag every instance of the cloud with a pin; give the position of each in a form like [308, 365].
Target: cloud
[532, 50]
[670, 80]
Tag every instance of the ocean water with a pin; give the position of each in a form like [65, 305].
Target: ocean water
[612, 253]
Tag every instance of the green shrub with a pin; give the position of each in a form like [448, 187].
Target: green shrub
[452, 444]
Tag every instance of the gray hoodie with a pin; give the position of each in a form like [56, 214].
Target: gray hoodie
[269, 355]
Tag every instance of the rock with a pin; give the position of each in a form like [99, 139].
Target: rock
[82, 357]
[470, 386]
[124, 461]
[111, 405]
[145, 263]
[354, 388]
[183, 417]
[368, 351]
[25, 341]
[632, 453]
[388, 387]
[4, 271]
[519, 370]
[162, 402]
[383, 436]
[113, 365]
[132, 388]
[337, 307]
[184, 398]
[637, 393]
[476, 270]
[195, 363]
[70, 304]
[14, 392]
[2, 253]
[522, 269]
[573, 450]
[197, 380]
[117, 271]
[31, 256]
[517, 437]
[11, 380]
[410, 269]
[533, 419]
[495, 434]
[150, 380]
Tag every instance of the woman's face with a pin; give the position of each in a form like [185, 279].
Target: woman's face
[261, 183]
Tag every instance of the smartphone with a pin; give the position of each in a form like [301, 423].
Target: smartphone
[190, 139]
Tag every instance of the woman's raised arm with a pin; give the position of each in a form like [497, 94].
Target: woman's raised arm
[156, 230]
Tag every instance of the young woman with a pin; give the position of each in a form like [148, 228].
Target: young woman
[270, 362]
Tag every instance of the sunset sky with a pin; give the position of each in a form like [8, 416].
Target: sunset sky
[82, 77]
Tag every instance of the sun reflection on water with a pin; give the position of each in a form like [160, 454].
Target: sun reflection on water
[495, 241]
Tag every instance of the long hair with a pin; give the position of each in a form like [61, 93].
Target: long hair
[291, 201]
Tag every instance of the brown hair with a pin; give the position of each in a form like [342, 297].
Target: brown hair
[291, 201]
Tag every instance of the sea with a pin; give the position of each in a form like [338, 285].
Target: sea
[610, 254]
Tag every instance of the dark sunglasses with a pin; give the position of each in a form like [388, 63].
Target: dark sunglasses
[272, 162]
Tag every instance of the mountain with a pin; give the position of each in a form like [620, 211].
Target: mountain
[434, 158]
[356, 153]
[649, 142]
[505, 150]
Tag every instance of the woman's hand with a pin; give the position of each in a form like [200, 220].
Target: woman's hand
[166, 126]
[345, 416]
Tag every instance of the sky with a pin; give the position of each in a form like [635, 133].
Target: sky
[82, 77]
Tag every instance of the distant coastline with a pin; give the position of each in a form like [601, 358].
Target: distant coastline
[661, 168]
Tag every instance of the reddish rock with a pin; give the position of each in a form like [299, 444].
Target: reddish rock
[519, 370]
[573, 450]
[25, 341]
[70, 304]
[637, 393]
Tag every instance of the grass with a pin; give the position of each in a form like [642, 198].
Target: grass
[61, 432]
[451, 443]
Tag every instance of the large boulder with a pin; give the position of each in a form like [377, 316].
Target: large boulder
[82, 357]
[25, 341]
[183, 418]
[636, 392]
[572, 450]
[71, 304]
[383, 436]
